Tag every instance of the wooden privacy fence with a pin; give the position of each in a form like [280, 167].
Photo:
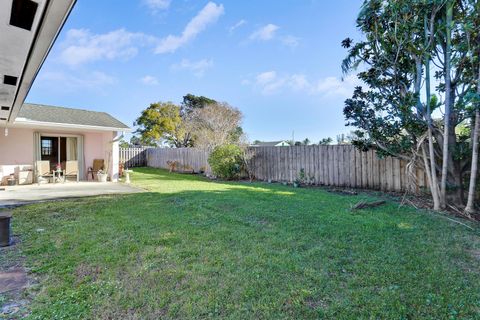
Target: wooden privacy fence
[338, 165]
[188, 159]
[133, 157]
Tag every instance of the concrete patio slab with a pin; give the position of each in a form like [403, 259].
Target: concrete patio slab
[21, 195]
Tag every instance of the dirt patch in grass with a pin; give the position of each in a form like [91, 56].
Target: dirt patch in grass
[176, 201]
[346, 192]
[256, 222]
[316, 303]
[14, 281]
[87, 272]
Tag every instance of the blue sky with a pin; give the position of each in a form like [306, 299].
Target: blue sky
[277, 61]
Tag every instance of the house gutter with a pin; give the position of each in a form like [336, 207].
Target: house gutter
[118, 137]
[22, 122]
[28, 75]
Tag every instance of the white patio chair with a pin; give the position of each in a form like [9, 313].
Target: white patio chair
[42, 169]
[71, 170]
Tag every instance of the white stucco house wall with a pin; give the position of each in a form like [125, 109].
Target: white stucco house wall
[58, 134]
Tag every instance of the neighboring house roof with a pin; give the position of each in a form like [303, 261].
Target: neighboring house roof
[270, 143]
[36, 113]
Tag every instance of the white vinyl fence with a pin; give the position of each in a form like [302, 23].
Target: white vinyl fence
[133, 157]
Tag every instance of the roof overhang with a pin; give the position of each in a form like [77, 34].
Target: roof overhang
[26, 123]
[22, 52]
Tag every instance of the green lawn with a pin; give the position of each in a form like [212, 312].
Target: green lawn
[190, 248]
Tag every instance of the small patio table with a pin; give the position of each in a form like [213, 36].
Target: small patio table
[57, 175]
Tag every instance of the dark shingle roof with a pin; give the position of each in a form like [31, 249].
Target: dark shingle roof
[43, 113]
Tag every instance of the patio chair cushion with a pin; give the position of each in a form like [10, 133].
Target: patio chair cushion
[98, 164]
[43, 168]
[71, 168]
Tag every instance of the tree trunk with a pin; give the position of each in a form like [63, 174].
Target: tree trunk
[470, 208]
[432, 171]
[433, 186]
[448, 87]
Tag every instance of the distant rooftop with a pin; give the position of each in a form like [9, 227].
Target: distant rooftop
[53, 114]
[270, 143]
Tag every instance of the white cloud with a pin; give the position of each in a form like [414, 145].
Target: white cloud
[156, 5]
[237, 25]
[198, 68]
[333, 86]
[265, 33]
[95, 80]
[269, 32]
[290, 41]
[81, 46]
[265, 77]
[299, 82]
[150, 80]
[208, 15]
[271, 83]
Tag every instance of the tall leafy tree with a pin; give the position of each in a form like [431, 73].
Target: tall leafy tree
[470, 208]
[191, 102]
[472, 29]
[403, 41]
[237, 136]
[325, 141]
[448, 100]
[162, 122]
[215, 125]
[197, 122]
[430, 17]
[386, 109]
[456, 85]
[135, 140]
[123, 144]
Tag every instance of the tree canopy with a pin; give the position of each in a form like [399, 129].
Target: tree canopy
[216, 124]
[198, 121]
[161, 122]
[418, 61]
[191, 102]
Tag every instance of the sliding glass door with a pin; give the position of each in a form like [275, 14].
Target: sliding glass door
[58, 150]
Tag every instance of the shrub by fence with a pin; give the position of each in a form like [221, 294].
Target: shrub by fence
[338, 165]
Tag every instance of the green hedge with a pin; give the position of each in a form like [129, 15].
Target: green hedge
[226, 161]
